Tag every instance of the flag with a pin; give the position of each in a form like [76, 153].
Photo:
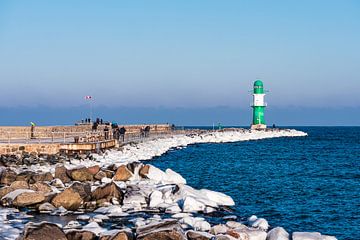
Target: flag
[87, 97]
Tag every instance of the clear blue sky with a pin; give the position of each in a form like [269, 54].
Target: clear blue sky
[179, 53]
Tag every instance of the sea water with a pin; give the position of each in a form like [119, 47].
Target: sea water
[302, 184]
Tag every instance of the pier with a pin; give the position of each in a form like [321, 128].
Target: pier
[79, 138]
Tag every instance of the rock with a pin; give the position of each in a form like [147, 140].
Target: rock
[119, 235]
[41, 177]
[217, 197]
[5, 190]
[122, 174]
[93, 169]
[155, 198]
[238, 235]
[100, 175]
[202, 226]
[46, 207]
[235, 225]
[41, 187]
[8, 176]
[42, 231]
[144, 170]
[192, 205]
[22, 198]
[306, 236]
[277, 233]
[57, 183]
[19, 185]
[61, 173]
[108, 190]
[253, 234]
[260, 223]
[69, 199]
[219, 229]
[25, 176]
[166, 230]
[81, 174]
[80, 235]
[325, 237]
[194, 235]
[72, 225]
[224, 237]
[84, 190]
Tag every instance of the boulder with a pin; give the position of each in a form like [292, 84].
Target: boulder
[118, 235]
[8, 176]
[100, 175]
[22, 198]
[25, 176]
[84, 190]
[277, 233]
[260, 223]
[81, 174]
[93, 169]
[108, 190]
[306, 236]
[194, 235]
[69, 199]
[155, 198]
[190, 204]
[19, 185]
[144, 170]
[41, 187]
[42, 231]
[28, 198]
[166, 230]
[80, 235]
[37, 177]
[46, 207]
[61, 173]
[122, 174]
[5, 190]
[217, 197]
[219, 229]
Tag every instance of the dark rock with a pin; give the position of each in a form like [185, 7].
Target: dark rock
[80, 235]
[121, 235]
[42, 231]
[40, 177]
[61, 173]
[25, 176]
[132, 166]
[84, 190]
[7, 176]
[106, 191]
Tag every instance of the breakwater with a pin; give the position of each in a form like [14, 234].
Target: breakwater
[116, 187]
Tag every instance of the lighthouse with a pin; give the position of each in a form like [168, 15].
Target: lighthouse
[258, 106]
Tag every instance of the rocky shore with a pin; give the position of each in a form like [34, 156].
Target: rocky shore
[114, 195]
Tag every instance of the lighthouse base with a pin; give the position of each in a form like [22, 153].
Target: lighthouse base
[258, 126]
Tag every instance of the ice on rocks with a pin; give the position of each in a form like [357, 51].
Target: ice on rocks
[155, 198]
[190, 204]
[277, 233]
[94, 227]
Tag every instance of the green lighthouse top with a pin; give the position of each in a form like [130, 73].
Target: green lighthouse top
[258, 87]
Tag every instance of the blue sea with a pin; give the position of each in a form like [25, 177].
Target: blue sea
[302, 184]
